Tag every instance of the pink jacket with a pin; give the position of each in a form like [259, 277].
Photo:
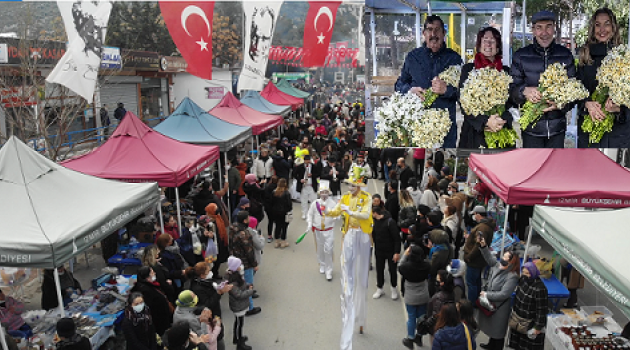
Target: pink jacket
[214, 335]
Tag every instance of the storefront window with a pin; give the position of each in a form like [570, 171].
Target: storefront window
[151, 93]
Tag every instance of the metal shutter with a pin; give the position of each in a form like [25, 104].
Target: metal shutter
[113, 92]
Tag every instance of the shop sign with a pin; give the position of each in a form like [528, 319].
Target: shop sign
[46, 52]
[141, 60]
[173, 64]
[17, 96]
[215, 93]
[110, 58]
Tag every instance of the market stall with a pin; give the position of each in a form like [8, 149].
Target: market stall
[55, 212]
[137, 153]
[272, 94]
[254, 100]
[589, 240]
[288, 89]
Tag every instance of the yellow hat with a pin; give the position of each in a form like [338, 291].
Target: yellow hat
[357, 177]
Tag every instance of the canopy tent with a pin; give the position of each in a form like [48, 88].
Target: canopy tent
[230, 109]
[556, 177]
[590, 241]
[190, 123]
[254, 100]
[287, 88]
[137, 153]
[51, 214]
[273, 95]
[444, 6]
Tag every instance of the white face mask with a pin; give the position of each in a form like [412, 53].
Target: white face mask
[241, 270]
[450, 193]
[152, 278]
[138, 308]
[324, 196]
[227, 167]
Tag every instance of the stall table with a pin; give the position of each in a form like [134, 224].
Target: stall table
[121, 261]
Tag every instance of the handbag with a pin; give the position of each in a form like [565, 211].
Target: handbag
[487, 307]
[519, 324]
[426, 324]
[288, 217]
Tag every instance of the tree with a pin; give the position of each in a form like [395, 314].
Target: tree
[619, 8]
[227, 33]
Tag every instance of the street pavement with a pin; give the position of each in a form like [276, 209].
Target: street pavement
[300, 309]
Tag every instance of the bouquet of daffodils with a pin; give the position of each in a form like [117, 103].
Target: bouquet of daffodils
[554, 85]
[613, 77]
[405, 122]
[450, 76]
[484, 93]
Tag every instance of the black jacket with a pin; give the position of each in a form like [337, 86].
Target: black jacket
[81, 343]
[527, 65]
[155, 299]
[280, 205]
[407, 217]
[404, 177]
[49, 290]
[281, 166]
[300, 171]
[161, 275]
[386, 236]
[139, 337]
[415, 269]
[619, 137]
[208, 297]
[392, 205]
[472, 135]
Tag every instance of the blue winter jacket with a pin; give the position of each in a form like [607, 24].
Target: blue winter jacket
[453, 338]
[421, 66]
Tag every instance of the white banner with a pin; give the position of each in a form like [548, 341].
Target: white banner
[86, 26]
[260, 23]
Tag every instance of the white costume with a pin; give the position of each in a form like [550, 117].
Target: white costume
[322, 226]
[307, 195]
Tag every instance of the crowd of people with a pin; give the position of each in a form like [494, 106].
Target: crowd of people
[527, 65]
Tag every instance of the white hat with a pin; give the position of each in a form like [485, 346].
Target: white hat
[324, 185]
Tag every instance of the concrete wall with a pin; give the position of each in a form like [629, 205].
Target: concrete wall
[187, 85]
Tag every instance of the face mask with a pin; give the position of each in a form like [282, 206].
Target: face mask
[227, 167]
[504, 262]
[152, 278]
[61, 273]
[323, 196]
[241, 270]
[450, 193]
[138, 308]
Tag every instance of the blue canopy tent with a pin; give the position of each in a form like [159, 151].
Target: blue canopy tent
[190, 123]
[253, 100]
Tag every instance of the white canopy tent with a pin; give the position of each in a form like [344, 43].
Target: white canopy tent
[51, 214]
[594, 242]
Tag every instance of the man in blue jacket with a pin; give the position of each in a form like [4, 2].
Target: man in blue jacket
[422, 67]
[527, 65]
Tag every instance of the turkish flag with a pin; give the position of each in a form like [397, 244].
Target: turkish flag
[318, 29]
[190, 26]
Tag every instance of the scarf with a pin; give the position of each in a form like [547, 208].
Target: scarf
[211, 210]
[482, 61]
[141, 317]
[68, 342]
[437, 248]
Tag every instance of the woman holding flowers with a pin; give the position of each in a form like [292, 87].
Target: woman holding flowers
[603, 35]
[474, 128]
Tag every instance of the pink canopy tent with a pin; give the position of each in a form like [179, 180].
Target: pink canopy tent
[137, 153]
[272, 94]
[554, 177]
[231, 110]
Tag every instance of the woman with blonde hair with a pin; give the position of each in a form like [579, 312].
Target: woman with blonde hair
[150, 259]
[281, 205]
[603, 35]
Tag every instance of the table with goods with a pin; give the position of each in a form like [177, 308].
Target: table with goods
[589, 328]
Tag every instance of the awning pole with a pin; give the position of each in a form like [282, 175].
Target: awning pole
[161, 215]
[418, 25]
[373, 42]
[529, 241]
[59, 298]
[257, 146]
[507, 212]
[229, 194]
[524, 21]
[455, 170]
[2, 339]
[179, 215]
[462, 45]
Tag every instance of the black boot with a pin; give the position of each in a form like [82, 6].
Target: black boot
[418, 340]
[242, 346]
[243, 338]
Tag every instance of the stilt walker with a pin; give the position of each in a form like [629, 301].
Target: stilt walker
[356, 209]
[322, 226]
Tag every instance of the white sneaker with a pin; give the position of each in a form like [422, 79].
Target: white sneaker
[303, 217]
[378, 293]
[321, 270]
[329, 276]
[394, 293]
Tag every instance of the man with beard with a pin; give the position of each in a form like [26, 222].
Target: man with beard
[422, 67]
[333, 172]
[404, 173]
[322, 226]
[356, 209]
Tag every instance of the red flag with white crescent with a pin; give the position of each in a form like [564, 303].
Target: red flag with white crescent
[318, 29]
[190, 26]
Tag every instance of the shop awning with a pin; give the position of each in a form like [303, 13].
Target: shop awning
[594, 242]
[51, 214]
[137, 153]
[190, 123]
[555, 177]
[232, 110]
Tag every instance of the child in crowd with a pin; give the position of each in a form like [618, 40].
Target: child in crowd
[239, 300]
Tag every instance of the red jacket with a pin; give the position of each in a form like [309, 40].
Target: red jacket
[242, 169]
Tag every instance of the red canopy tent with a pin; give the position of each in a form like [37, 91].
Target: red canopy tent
[272, 94]
[231, 110]
[137, 153]
[555, 177]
